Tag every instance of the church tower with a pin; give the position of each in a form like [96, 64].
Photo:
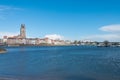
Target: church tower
[22, 31]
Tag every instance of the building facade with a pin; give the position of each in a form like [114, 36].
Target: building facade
[21, 39]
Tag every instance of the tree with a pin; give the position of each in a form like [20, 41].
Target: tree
[96, 43]
[106, 43]
[79, 42]
[116, 43]
[75, 42]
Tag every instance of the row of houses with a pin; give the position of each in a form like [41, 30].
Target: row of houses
[47, 41]
[32, 41]
[99, 44]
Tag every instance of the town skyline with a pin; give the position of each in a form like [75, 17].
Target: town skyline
[65, 19]
[22, 34]
[22, 40]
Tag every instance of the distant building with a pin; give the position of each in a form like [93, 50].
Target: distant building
[1, 41]
[45, 41]
[21, 39]
[67, 42]
[31, 41]
[5, 39]
[22, 31]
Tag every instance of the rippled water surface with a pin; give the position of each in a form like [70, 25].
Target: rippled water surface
[60, 63]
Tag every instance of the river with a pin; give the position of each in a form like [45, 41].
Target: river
[60, 63]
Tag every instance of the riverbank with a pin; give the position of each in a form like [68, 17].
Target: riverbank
[2, 50]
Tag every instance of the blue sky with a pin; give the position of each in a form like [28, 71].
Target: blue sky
[72, 19]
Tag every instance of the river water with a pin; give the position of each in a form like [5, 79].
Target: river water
[60, 63]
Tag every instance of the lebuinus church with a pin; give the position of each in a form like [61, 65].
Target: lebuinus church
[22, 34]
[19, 39]
[22, 31]
[22, 39]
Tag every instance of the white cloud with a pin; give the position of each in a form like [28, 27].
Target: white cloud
[114, 34]
[111, 28]
[8, 34]
[5, 10]
[4, 7]
[110, 37]
[54, 36]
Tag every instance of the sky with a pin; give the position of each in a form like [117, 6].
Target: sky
[96, 20]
